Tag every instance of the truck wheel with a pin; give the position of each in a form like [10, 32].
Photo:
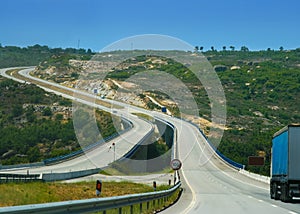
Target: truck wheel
[274, 191]
[285, 197]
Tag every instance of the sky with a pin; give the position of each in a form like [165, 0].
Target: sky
[94, 24]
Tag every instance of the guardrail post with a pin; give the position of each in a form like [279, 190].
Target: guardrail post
[131, 209]
[114, 204]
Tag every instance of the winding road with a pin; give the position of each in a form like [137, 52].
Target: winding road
[210, 185]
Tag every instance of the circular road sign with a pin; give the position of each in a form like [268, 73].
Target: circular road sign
[175, 164]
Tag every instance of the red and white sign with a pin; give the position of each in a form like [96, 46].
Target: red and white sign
[175, 164]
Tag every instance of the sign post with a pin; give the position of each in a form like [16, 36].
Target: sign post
[98, 187]
[175, 165]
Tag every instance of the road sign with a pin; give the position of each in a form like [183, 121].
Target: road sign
[256, 161]
[175, 164]
[98, 187]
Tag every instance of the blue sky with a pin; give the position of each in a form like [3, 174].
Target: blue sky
[257, 24]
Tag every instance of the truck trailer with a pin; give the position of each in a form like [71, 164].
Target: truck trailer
[285, 164]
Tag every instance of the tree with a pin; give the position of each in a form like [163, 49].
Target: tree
[196, 48]
[268, 49]
[17, 110]
[281, 48]
[201, 48]
[224, 48]
[212, 48]
[47, 111]
[59, 117]
[30, 114]
[244, 49]
[33, 154]
[232, 48]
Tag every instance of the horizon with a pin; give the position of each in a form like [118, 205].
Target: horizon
[237, 49]
[96, 24]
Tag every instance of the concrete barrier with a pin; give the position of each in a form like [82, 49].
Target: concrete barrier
[262, 178]
[68, 175]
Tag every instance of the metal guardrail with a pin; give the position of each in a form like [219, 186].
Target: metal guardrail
[95, 204]
[6, 177]
[25, 165]
[136, 146]
[61, 158]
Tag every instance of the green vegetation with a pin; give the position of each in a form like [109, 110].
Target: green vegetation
[145, 116]
[28, 133]
[36, 125]
[13, 194]
[262, 93]
[32, 55]
[261, 89]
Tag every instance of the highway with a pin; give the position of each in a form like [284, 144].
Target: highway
[102, 155]
[211, 186]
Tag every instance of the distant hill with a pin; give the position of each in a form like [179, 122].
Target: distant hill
[36, 125]
[262, 90]
[32, 55]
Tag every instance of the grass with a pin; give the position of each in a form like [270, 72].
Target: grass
[113, 171]
[145, 116]
[147, 207]
[13, 194]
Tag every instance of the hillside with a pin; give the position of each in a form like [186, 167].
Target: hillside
[36, 125]
[262, 93]
[32, 55]
[261, 89]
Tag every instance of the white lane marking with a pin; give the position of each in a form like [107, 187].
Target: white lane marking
[198, 137]
[193, 202]
[249, 196]
[291, 212]
[273, 205]
[228, 174]
[260, 200]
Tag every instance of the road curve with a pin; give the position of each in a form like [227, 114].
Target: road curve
[102, 155]
[211, 186]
